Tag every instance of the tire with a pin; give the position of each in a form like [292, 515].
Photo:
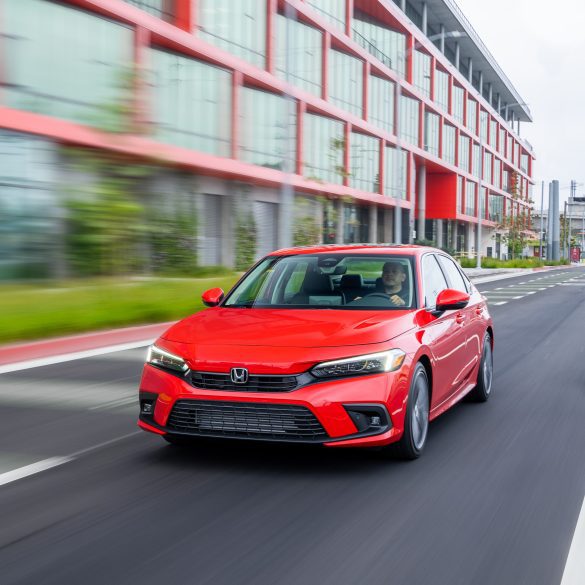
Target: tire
[485, 376]
[416, 421]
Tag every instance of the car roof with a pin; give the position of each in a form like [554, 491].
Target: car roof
[399, 249]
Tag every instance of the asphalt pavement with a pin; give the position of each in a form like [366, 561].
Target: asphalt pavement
[494, 499]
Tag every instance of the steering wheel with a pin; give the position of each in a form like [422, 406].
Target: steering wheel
[379, 295]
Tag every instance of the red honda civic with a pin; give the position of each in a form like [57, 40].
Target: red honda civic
[342, 346]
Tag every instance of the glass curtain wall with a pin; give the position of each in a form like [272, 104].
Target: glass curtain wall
[472, 116]
[476, 160]
[66, 63]
[422, 73]
[164, 9]
[524, 163]
[298, 54]
[497, 173]
[364, 162]
[381, 103]
[449, 137]
[395, 161]
[495, 207]
[333, 11]
[346, 82]
[355, 224]
[493, 134]
[264, 138]
[487, 167]
[442, 89]
[458, 103]
[409, 119]
[470, 187]
[191, 103]
[432, 133]
[323, 148]
[236, 26]
[502, 143]
[387, 45]
[483, 125]
[464, 153]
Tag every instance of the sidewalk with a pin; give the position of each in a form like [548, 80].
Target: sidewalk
[24, 355]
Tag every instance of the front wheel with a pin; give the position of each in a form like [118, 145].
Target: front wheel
[483, 390]
[416, 422]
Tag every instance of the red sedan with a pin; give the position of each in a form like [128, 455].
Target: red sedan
[336, 345]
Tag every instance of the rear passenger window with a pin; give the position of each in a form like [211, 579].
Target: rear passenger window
[433, 280]
[454, 277]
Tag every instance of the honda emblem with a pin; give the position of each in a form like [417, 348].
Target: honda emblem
[239, 375]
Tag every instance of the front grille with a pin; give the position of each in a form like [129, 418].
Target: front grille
[255, 383]
[246, 420]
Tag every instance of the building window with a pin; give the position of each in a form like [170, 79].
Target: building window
[409, 119]
[192, 103]
[422, 73]
[81, 77]
[509, 149]
[395, 172]
[493, 134]
[476, 160]
[449, 137]
[502, 143]
[464, 153]
[323, 147]
[164, 9]
[524, 163]
[472, 116]
[460, 195]
[458, 102]
[364, 162]
[298, 59]
[432, 133]
[355, 224]
[346, 82]
[333, 11]
[470, 188]
[487, 167]
[268, 129]
[497, 173]
[387, 45]
[442, 89]
[381, 103]
[483, 126]
[506, 181]
[236, 26]
[495, 207]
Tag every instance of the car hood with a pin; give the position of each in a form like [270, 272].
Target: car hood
[302, 328]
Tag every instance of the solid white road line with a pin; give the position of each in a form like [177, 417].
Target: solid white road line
[500, 303]
[68, 357]
[33, 468]
[574, 573]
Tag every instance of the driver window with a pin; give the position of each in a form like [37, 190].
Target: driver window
[433, 280]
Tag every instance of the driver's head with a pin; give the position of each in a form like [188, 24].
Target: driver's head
[393, 274]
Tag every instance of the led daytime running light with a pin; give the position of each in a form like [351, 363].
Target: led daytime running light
[386, 361]
[164, 359]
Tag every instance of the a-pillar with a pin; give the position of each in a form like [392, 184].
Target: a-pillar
[421, 192]
[339, 227]
[373, 226]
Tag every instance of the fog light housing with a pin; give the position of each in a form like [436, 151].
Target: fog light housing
[369, 418]
[147, 407]
[147, 404]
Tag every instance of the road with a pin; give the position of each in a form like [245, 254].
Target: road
[493, 501]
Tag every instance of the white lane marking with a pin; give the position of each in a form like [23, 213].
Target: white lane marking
[116, 403]
[68, 357]
[520, 297]
[500, 303]
[31, 469]
[574, 573]
[531, 292]
[45, 464]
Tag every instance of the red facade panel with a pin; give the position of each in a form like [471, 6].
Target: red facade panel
[441, 196]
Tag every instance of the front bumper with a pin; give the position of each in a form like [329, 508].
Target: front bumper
[332, 413]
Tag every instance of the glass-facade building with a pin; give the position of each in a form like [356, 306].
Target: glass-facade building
[260, 101]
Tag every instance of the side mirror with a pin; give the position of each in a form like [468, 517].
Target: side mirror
[212, 297]
[451, 299]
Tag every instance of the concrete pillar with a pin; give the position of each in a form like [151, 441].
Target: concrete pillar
[439, 230]
[388, 235]
[454, 234]
[481, 83]
[424, 17]
[457, 55]
[339, 221]
[421, 183]
[442, 39]
[373, 224]
[397, 236]
[556, 227]
[469, 240]
[403, 5]
[491, 94]
[470, 66]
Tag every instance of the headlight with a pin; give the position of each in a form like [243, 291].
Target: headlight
[386, 361]
[164, 359]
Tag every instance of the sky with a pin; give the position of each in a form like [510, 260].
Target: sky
[541, 48]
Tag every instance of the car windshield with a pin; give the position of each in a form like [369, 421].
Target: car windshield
[334, 281]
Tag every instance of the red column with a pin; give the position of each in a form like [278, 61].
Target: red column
[185, 14]
[141, 110]
[365, 90]
[301, 109]
[271, 9]
[325, 64]
[237, 81]
[409, 177]
[348, 16]
[409, 58]
[346, 158]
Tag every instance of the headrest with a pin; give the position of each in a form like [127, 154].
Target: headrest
[352, 281]
[340, 269]
[317, 283]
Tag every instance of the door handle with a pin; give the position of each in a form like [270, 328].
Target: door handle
[459, 318]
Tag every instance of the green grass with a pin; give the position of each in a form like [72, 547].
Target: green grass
[48, 310]
[518, 263]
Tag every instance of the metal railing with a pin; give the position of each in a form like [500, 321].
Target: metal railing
[372, 49]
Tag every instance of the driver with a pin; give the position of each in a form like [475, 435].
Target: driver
[392, 283]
